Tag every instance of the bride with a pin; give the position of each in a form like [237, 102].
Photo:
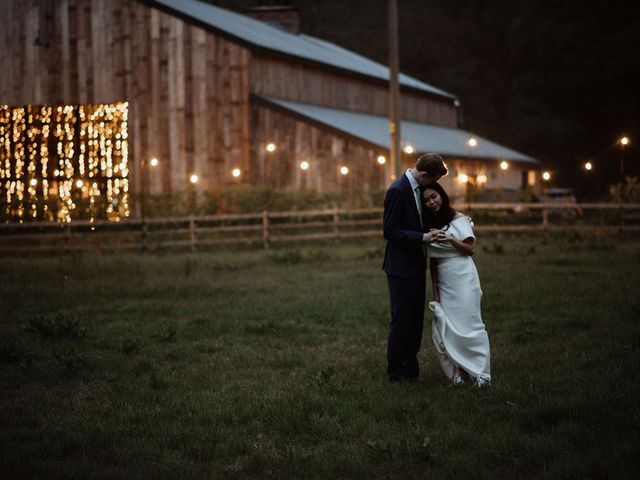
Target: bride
[459, 334]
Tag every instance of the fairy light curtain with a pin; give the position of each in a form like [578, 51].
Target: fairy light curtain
[60, 163]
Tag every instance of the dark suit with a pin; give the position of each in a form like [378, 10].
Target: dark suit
[405, 265]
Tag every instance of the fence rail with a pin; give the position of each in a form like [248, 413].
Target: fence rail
[268, 228]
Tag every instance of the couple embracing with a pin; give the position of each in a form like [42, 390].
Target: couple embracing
[419, 222]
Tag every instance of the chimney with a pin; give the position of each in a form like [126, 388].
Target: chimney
[284, 17]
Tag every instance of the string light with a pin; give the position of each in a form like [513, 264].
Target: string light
[154, 162]
[344, 170]
[504, 165]
[5, 151]
[546, 176]
[463, 178]
[51, 158]
[271, 147]
[304, 165]
[381, 160]
[236, 172]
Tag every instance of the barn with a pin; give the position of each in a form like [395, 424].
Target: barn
[105, 101]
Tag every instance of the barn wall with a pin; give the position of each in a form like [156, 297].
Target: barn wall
[496, 178]
[188, 93]
[187, 88]
[304, 83]
[326, 152]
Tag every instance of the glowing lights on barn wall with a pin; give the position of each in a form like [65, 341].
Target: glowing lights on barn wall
[64, 162]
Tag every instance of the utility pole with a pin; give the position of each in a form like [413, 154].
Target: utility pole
[395, 159]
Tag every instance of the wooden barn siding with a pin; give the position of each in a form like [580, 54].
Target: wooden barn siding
[496, 177]
[187, 88]
[326, 152]
[303, 83]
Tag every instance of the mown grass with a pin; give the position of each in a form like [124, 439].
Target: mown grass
[253, 365]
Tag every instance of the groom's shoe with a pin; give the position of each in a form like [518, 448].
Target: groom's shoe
[402, 379]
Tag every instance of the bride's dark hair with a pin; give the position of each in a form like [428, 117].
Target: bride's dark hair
[443, 216]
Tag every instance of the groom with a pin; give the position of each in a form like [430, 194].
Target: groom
[405, 265]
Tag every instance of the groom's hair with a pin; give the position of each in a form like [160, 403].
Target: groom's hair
[432, 164]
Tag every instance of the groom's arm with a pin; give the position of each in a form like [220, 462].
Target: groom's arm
[392, 228]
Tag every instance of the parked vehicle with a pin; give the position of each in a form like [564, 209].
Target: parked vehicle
[558, 195]
[562, 195]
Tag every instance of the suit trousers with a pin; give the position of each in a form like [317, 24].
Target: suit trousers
[405, 331]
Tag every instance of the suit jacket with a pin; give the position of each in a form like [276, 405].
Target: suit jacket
[404, 255]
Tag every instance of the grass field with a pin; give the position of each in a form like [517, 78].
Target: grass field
[254, 365]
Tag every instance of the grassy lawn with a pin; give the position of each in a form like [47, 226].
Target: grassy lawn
[254, 365]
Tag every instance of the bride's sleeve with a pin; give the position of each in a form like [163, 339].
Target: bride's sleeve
[465, 228]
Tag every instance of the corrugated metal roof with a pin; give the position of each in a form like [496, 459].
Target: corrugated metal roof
[305, 47]
[423, 137]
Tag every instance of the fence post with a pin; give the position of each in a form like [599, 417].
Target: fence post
[336, 222]
[545, 219]
[621, 216]
[192, 232]
[67, 237]
[601, 214]
[266, 239]
[143, 235]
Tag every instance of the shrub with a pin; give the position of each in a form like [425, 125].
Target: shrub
[129, 347]
[71, 360]
[246, 199]
[627, 192]
[9, 351]
[56, 326]
[287, 257]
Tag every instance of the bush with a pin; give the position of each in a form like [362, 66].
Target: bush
[246, 199]
[627, 192]
[287, 257]
[71, 360]
[9, 351]
[56, 326]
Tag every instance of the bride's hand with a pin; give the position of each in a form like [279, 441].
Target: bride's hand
[440, 236]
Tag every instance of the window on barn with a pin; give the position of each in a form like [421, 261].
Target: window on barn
[60, 163]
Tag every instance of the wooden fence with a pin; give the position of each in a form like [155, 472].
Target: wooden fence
[268, 228]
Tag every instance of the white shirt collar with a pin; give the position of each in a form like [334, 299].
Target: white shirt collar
[414, 183]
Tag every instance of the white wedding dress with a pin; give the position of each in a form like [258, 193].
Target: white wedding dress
[458, 332]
